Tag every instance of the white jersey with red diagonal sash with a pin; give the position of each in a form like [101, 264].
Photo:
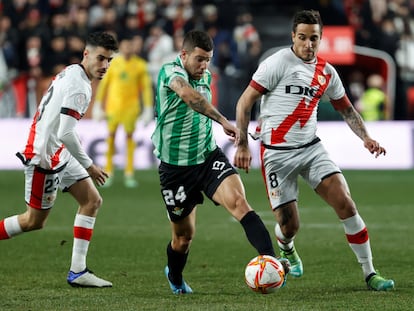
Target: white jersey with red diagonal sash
[69, 94]
[291, 91]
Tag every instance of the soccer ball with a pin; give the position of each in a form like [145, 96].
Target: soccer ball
[264, 274]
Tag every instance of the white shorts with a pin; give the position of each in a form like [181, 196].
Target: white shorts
[41, 185]
[281, 169]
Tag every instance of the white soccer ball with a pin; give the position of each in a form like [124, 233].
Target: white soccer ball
[264, 274]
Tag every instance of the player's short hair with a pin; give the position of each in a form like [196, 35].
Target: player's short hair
[309, 17]
[197, 38]
[102, 39]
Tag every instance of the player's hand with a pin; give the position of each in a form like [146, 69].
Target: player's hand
[147, 115]
[98, 113]
[374, 147]
[97, 174]
[231, 131]
[242, 158]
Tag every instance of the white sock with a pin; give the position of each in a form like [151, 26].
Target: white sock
[82, 233]
[358, 239]
[12, 226]
[283, 242]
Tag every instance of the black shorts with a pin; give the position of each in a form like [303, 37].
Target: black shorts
[182, 186]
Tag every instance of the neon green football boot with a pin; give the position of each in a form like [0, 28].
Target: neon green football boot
[296, 266]
[130, 182]
[378, 283]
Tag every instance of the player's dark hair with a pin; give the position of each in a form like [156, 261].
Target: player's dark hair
[197, 38]
[102, 39]
[309, 17]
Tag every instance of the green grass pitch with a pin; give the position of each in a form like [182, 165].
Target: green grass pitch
[132, 231]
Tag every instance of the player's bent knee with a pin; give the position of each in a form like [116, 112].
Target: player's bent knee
[96, 202]
[346, 208]
[182, 244]
[240, 202]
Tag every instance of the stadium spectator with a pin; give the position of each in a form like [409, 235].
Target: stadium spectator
[7, 108]
[138, 45]
[145, 12]
[28, 94]
[54, 158]
[59, 23]
[156, 46]
[178, 43]
[191, 162]
[9, 38]
[249, 49]
[79, 23]
[8, 67]
[121, 9]
[246, 34]
[225, 60]
[57, 56]
[130, 29]
[290, 84]
[32, 27]
[124, 94]
[374, 103]
[179, 18]
[130, 26]
[389, 38]
[75, 44]
[17, 12]
[379, 24]
[97, 13]
[356, 85]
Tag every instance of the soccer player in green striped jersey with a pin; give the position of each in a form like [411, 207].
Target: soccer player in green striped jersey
[190, 161]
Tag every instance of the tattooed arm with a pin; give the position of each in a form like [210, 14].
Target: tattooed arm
[199, 103]
[195, 100]
[355, 122]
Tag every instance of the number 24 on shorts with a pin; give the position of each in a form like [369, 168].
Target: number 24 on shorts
[170, 198]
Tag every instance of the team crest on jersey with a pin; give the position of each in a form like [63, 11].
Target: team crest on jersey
[177, 211]
[80, 103]
[321, 79]
[203, 91]
[50, 198]
[275, 193]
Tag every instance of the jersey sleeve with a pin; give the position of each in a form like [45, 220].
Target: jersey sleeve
[341, 103]
[336, 89]
[74, 106]
[69, 138]
[175, 71]
[267, 74]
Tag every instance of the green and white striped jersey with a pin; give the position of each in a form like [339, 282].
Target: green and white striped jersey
[182, 136]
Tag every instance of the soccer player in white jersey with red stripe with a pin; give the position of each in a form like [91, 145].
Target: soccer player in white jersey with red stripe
[290, 84]
[54, 158]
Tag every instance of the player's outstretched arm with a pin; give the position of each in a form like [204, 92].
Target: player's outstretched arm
[199, 103]
[242, 157]
[356, 123]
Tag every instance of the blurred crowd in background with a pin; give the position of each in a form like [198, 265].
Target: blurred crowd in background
[40, 37]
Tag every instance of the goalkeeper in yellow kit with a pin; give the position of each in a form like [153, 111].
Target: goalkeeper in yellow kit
[122, 96]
